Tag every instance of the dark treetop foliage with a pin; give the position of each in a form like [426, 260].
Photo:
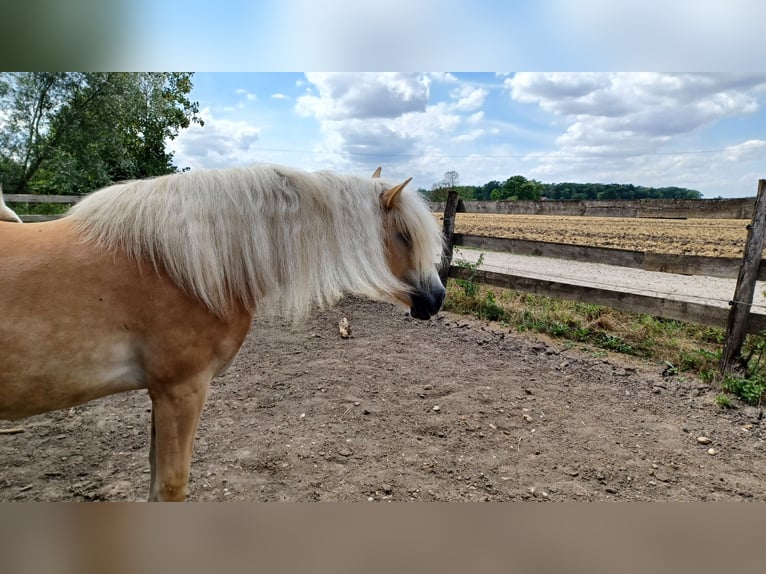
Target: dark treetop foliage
[519, 187]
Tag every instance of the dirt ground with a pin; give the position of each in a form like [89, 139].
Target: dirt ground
[713, 237]
[449, 409]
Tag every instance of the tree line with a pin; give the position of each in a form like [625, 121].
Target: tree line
[70, 133]
[518, 187]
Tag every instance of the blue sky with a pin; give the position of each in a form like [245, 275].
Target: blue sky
[702, 131]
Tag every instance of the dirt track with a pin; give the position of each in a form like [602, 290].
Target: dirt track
[714, 237]
[305, 415]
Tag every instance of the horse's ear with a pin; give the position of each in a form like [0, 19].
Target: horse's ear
[377, 173]
[389, 196]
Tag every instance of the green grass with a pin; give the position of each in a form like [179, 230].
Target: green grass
[583, 323]
[749, 388]
[723, 401]
[683, 347]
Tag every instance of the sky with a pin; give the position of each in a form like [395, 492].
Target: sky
[617, 123]
[704, 131]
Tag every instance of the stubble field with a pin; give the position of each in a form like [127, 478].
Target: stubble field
[713, 237]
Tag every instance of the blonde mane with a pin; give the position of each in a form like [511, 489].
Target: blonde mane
[267, 236]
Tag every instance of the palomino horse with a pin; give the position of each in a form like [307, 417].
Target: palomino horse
[153, 284]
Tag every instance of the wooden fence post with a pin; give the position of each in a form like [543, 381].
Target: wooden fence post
[736, 327]
[448, 231]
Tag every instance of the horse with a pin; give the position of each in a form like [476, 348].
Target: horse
[154, 283]
[6, 213]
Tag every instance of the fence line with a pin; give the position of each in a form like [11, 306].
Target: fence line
[34, 198]
[738, 208]
[611, 286]
[686, 311]
[738, 320]
[727, 267]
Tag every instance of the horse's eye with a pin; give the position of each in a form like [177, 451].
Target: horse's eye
[404, 238]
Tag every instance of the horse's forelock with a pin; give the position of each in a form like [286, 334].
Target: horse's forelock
[412, 215]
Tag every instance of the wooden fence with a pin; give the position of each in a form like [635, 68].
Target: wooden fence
[664, 262]
[34, 198]
[738, 319]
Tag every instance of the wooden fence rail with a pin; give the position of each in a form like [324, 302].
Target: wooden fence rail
[665, 262]
[34, 198]
[686, 311]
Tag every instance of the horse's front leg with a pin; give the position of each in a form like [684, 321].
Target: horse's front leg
[175, 414]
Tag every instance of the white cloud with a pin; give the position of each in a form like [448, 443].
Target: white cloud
[469, 98]
[249, 96]
[632, 113]
[219, 143]
[549, 89]
[469, 136]
[477, 117]
[365, 95]
[600, 127]
[279, 96]
[750, 150]
[445, 77]
[389, 117]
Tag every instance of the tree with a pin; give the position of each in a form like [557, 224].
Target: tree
[485, 191]
[611, 191]
[451, 179]
[438, 192]
[448, 182]
[518, 187]
[75, 132]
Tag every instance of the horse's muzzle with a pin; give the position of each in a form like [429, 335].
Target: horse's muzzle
[427, 302]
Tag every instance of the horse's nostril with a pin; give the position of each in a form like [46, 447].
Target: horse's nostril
[439, 295]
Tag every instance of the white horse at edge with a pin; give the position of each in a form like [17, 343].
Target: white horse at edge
[6, 213]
